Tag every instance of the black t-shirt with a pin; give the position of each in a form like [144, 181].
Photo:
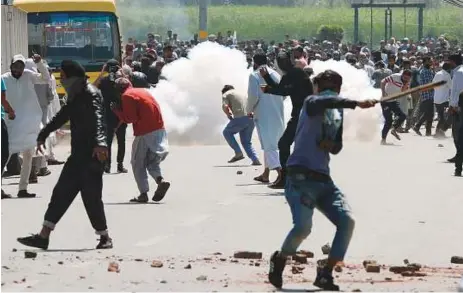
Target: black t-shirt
[139, 80]
[110, 95]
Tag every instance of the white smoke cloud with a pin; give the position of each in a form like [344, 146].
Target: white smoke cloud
[190, 98]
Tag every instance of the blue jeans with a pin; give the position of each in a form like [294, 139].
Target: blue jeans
[303, 194]
[245, 127]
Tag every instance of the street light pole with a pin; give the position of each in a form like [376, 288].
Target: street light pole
[203, 20]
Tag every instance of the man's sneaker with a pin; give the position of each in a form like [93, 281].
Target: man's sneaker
[256, 163]
[325, 280]
[105, 243]
[457, 173]
[277, 266]
[25, 194]
[121, 169]
[34, 241]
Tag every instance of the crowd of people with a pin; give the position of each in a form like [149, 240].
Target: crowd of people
[100, 110]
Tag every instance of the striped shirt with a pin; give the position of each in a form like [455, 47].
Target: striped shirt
[426, 76]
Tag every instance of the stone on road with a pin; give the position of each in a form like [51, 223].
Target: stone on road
[406, 203]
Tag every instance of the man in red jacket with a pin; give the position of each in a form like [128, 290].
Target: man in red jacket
[150, 146]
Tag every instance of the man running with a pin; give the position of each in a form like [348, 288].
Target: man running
[397, 82]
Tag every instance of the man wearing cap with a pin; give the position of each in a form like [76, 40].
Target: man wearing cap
[24, 129]
[150, 146]
[83, 171]
[107, 86]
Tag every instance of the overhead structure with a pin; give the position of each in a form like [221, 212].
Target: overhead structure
[387, 5]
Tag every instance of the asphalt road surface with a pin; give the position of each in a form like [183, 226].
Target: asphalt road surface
[406, 201]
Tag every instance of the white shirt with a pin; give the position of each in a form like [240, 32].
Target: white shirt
[394, 84]
[457, 86]
[442, 93]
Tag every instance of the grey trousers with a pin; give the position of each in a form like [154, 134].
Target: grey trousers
[148, 151]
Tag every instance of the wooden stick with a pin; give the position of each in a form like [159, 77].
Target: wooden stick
[420, 88]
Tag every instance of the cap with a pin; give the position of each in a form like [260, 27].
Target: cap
[17, 58]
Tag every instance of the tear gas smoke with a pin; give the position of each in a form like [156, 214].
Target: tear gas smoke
[191, 100]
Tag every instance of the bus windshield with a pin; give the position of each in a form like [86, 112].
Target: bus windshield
[86, 37]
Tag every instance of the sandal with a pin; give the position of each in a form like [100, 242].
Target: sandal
[142, 198]
[161, 191]
[261, 179]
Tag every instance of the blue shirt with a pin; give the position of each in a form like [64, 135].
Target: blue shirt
[426, 76]
[3, 90]
[321, 118]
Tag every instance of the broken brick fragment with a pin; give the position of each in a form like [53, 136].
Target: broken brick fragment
[457, 260]
[308, 254]
[114, 267]
[248, 255]
[373, 268]
[157, 264]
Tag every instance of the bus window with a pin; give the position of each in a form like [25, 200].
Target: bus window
[89, 38]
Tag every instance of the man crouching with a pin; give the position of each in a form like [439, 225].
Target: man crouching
[150, 146]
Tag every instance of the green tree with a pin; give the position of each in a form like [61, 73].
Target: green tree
[330, 32]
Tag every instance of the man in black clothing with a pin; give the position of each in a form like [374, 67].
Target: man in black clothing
[83, 171]
[107, 86]
[137, 78]
[152, 68]
[297, 84]
[459, 140]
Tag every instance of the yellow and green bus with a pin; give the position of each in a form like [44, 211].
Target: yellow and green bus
[83, 30]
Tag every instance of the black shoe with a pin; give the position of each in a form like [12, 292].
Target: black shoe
[107, 169]
[256, 163]
[105, 243]
[121, 169]
[5, 195]
[280, 184]
[25, 194]
[417, 131]
[451, 160]
[236, 158]
[33, 179]
[142, 198]
[325, 280]
[395, 134]
[161, 191]
[277, 266]
[7, 174]
[34, 241]
[44, 172]
[54, 162]
[457, 173]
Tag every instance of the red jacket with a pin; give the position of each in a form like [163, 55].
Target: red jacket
[140, 108]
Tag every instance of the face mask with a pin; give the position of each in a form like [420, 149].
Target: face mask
[68, 82]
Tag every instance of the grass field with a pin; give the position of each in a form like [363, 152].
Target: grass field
[272, 23]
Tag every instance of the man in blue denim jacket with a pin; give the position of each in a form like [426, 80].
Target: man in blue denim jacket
[309, 184]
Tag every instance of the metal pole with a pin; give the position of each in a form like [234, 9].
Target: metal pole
[356, 25]
[420, 23]
[371, 24]
[203, 20]
[405, 19]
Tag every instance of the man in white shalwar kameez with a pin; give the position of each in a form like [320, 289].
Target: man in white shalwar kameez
[268, 113]
[24, 129]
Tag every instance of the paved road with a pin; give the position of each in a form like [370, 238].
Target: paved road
[406, 202]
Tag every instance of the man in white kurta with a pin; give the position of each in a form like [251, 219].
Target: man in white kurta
[23, 130]
[268, 113]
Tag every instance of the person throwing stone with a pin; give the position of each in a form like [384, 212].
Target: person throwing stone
[150, 146]
[309, 184]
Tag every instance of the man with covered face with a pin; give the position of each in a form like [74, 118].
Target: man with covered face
[296, 84]
[24, 129]
[83, 171]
